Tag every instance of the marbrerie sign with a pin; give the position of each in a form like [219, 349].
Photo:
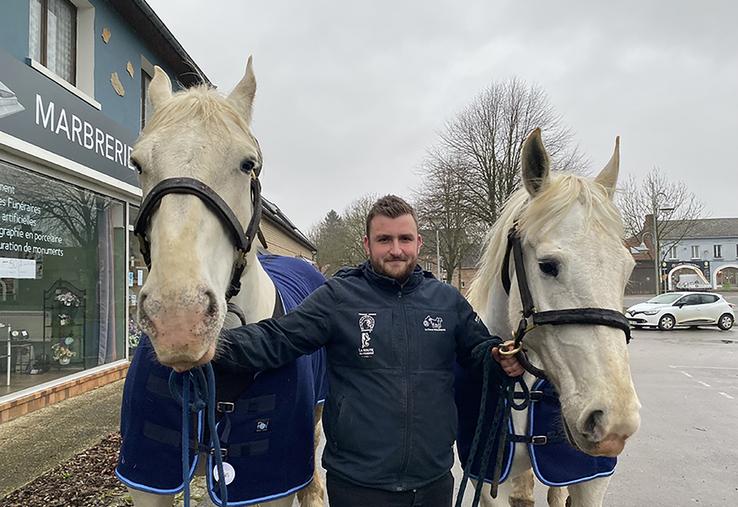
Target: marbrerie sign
[40, 111]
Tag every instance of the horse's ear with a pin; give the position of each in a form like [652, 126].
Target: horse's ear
[160, 88]
[608, 177]
[535, 163]
[242, 96]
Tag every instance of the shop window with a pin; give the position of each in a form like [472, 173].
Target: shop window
[137, 273]
[62, 277]
[53, 36]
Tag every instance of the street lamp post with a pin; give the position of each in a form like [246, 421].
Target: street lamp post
[438, 254]
[656, 247]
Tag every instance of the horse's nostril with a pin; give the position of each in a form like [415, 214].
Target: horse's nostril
[212, 303]
[592, 424]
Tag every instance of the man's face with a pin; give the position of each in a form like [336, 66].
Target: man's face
[393, 245]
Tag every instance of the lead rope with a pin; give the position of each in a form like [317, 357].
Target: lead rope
[202, 384]
[497, 432]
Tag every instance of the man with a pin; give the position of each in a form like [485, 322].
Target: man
[392, 333]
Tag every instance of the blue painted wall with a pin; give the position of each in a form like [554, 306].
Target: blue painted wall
[14, 27]
[123, 47]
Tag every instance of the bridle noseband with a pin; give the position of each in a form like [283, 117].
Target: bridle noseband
[242, 240]
[532, 319]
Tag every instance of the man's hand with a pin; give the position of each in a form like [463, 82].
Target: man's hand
[509, 364]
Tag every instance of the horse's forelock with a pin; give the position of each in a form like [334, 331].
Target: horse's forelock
[202, 103]
[536, 217]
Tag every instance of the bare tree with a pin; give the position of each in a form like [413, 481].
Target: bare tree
[485, 139]
[441, 211]
[675, 208]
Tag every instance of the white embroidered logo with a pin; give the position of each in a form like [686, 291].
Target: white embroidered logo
[433, 323]
[366, 326]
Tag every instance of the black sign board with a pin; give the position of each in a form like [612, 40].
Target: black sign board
[39, 111]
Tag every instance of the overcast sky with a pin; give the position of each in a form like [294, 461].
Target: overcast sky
[351, 94]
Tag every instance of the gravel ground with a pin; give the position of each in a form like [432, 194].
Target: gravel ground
[88, 480]
[85, 480]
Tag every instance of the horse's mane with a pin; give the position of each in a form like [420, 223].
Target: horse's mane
[203, 103]
[536, 217]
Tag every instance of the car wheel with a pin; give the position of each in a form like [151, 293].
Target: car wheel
[725, 322]
[666, 323]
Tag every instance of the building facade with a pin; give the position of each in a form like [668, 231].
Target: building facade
[707, 253]
[696, 254]
[73, 98]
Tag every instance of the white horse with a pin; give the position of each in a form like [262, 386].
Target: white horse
[574, 257]
[198, 133]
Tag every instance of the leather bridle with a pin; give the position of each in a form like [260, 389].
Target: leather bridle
[243, 241]
[532, 319]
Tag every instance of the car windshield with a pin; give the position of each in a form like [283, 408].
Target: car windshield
[665, 299]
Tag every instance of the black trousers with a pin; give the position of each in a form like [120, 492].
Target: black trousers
[438, 493]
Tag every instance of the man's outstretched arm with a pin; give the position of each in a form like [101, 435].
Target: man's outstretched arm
[272, 343]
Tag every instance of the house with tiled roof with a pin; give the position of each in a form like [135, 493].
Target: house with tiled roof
[701, 253]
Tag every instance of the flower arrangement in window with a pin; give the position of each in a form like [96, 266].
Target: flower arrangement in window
[68, 299]
[62, 353]
[134, 333]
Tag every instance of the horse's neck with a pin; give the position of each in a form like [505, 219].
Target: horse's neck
[257, 296]
[495, 314]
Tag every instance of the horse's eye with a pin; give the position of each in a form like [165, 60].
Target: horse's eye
[248, 165]
[550, 268]
[136, 166]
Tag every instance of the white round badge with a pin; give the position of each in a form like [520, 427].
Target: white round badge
[228, 471]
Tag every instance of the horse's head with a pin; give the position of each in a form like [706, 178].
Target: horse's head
[201, 135]
[574, 257]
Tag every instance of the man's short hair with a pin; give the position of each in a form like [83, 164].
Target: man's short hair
[390, 206]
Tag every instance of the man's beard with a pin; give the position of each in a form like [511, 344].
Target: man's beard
[401, 276]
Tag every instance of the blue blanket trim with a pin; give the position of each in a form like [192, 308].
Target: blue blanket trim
[556, 463]
[196, 460]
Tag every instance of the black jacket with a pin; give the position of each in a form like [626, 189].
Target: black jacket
[390, 418]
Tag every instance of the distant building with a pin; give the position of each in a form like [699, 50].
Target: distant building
[697, 254]
[461, 278]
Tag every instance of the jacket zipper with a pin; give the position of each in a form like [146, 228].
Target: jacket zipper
[408, 412]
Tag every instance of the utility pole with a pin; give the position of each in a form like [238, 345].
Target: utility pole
[438, 254]
[656, 254]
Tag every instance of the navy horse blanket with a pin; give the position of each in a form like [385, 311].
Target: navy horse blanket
[555, 462]
[266, 420]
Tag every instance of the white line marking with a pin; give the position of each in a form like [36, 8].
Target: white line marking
[726, 395]
[685, 374]
[702, 367]
[703, 383]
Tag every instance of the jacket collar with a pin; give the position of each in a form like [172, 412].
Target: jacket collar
[386, 282]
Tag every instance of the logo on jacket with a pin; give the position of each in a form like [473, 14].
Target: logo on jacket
[366, 326]
[433, 323]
